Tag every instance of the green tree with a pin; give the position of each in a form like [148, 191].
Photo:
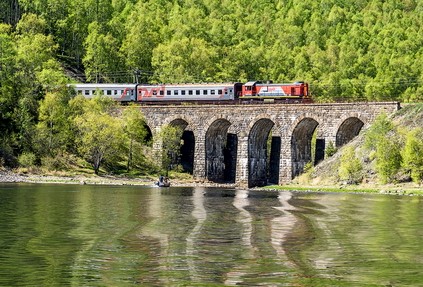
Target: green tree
[135, 129]
[99, 134]
[34, 53]
[102, 60]
[330, 150]
[170, 138]
[51, 77]
[379, 129]
[351, 167]
[7, 79]
[388, 157]
[413, 154]
[384, 139]
[54, 130]
[145, 28]
[184, 60]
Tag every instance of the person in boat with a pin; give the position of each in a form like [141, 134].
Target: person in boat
[163, 181]
[160, 182]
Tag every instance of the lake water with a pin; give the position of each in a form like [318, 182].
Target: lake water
[80, 235]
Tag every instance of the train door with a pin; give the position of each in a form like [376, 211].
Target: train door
[237, 90]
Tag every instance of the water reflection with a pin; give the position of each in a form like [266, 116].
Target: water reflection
[234, 277]
[282, 226]
[132, 236]
[200, 215]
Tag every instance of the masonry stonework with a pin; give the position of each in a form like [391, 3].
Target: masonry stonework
[238, 137]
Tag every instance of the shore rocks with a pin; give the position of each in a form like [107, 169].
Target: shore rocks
[6, 176]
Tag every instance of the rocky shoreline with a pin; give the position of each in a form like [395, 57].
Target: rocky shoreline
[11, 177]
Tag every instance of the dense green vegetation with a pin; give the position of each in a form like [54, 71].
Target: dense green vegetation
[355, 49]
[349, 50]
[389, 152]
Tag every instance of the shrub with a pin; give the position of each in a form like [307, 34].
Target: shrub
[330, 149]
[388, 157]
[379, 129]
[413, 154]
[350, 167]
[27, 159]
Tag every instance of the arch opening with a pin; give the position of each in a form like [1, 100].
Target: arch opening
[221, 150]
[301, 146]
[349, 129]
[263, 154]
[186, 151]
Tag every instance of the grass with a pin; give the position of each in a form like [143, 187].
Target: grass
[411, 190]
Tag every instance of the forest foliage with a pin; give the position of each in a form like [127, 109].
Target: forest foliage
[346, 50]
[352, 50]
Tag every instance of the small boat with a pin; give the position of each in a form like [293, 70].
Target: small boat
[163, 182]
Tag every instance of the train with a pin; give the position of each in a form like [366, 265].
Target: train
[252, 91]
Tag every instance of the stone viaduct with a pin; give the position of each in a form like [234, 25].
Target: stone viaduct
[254, 145]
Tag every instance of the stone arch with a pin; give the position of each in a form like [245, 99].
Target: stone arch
[179, 122]
[348, 130]
[187, 149]
[149, 136]
[221, 150]
[263, 167]
[301, 137]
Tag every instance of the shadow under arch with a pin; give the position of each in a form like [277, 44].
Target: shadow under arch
[301, 143]
[349, 129]
[263, 154]
[221, 150]
[187, 145]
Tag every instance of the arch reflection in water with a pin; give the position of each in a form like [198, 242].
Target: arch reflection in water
[234, 277]
[200, 214]
[283, 225]
[149, 230]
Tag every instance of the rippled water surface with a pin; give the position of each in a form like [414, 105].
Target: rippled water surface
[62, 235]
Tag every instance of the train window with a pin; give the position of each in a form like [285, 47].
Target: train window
[190, 92]
[204, 92]
[154, 92]
[161, 92]
[212, 92]
[168, 92]
[175, 92]
[197, 92]
[231, 91]
[87, 92]
[109, 92]
[219, 92]
[183, 92]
